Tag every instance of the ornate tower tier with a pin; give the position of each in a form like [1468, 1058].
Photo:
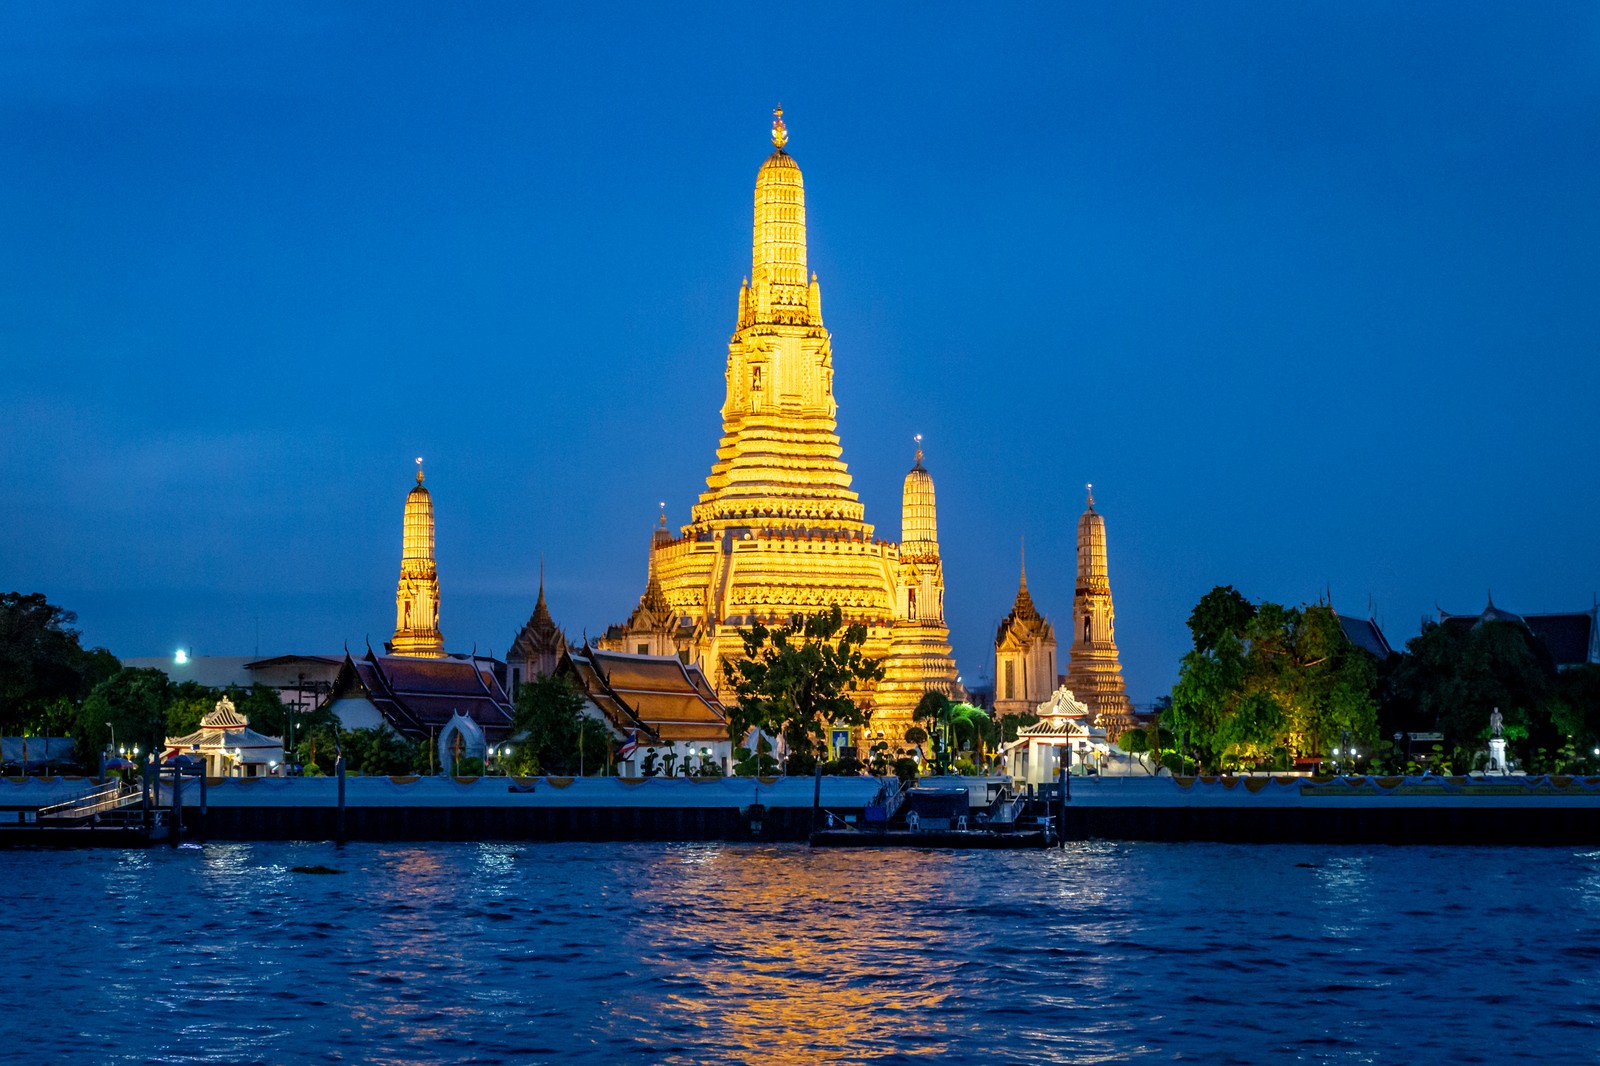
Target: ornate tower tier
[1095, 674]
[1024, 656]
[416, 626]
[919, 641]
[778, 530]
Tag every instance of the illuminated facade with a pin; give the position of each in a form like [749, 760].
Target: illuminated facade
[778, 530]
[1094, 673]
[416, 599]
[1024, 656]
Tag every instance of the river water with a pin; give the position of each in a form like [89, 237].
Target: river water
[509, 953]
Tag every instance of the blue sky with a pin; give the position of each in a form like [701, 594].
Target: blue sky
[1309, 292]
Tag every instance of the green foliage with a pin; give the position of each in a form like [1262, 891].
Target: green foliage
[1454, 680]
[1266, 683]
[916, 735]
[973, 729]
[1009, 724]
[317, 747]
[798, 681]
[1575, 711]
[1220, 613]
[1135, 741]
[758, 763]
[905, 768]
[45, 673]
[382, 751]
[554, 735]
[135, 704]
[188, 702]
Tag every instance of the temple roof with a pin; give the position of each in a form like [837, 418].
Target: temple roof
[415, 695]
[657, 693]
[1024, 622]
[1572, 639]
[1365, 634]
[539, 634]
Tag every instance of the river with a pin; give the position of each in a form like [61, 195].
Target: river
[511, 953]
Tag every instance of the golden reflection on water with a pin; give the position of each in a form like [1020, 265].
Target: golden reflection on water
[781, 969]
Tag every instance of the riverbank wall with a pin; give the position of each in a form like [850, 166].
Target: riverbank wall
[1359, 810]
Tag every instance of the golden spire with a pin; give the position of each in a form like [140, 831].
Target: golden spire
[416, 627]
[919, 526]
[780, 132]
[779, 289]
[1094, 672]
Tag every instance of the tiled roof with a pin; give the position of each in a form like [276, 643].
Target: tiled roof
[1365, 634]
[1570, 637]
[417, 695]
[656, 692]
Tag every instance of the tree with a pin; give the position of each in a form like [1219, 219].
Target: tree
[187, 703]
[381, 750]
[134, 702]
[1454, 678]
[973, 726]
[555, 735]
[44, 670]
[932, 712]
[1576, 710]
[1266, 682]
[798, 680]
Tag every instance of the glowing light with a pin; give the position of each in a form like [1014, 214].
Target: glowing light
[180, 656]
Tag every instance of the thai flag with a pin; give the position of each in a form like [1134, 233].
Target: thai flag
[629, 744]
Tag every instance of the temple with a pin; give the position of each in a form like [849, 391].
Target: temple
[778, 530]
[538, 646]
[416, 599]
[1024, 656]
[1094, 673]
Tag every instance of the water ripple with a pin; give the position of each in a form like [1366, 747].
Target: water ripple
[680, 953]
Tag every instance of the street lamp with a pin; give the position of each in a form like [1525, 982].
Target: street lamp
[113, 735]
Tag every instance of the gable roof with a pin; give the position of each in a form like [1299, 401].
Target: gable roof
[1365, 634]
[658, 693]
[417, 695]
[1572, 639]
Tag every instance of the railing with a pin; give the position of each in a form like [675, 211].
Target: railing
[1004, 810]
[890, 797]
[107, 797]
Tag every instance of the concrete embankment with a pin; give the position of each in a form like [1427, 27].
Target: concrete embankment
[1370, 810]
[498, 808]
[1359, 810]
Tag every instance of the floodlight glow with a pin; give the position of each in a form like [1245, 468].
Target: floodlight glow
[180, 656]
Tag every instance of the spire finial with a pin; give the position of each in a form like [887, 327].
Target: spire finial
[419, 470]
[541, 573]
[1090, 489]
[780, 132]
[1022, 547]
[663, 506]
[918, 439]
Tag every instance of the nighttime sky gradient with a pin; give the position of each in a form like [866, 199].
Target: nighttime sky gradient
[1310, 293]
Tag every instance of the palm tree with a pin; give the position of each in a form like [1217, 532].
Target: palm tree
[973, 726]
